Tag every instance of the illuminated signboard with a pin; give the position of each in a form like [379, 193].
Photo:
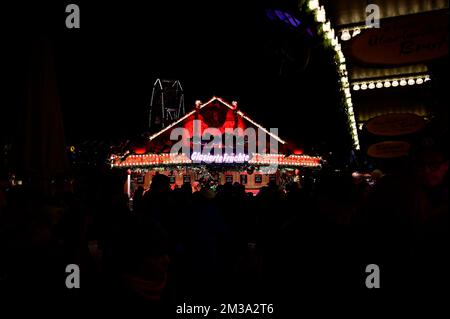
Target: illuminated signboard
[219, 158]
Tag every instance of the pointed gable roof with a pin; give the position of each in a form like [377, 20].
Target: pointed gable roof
[216, 113]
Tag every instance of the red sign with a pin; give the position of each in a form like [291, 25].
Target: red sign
[405, 40]
[389, 149]
[395, 124]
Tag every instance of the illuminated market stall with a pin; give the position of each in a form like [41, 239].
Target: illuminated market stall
[213, 144]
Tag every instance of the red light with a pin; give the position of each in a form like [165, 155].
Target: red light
[140, 150]
[298, 151]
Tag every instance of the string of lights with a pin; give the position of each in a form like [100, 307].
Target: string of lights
[329, 36]
[390, 82]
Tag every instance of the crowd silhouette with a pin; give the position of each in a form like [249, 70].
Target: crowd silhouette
[227, 245]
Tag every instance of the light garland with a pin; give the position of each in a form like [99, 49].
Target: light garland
[329, 35]
[390, 82]
[348, 33]
[168, 159]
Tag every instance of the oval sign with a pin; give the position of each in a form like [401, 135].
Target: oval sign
[405, 40]
[395, 124]
[389, 149]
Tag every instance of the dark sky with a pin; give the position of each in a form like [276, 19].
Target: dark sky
[106, 69]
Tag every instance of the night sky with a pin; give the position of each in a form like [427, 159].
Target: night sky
[106, 69]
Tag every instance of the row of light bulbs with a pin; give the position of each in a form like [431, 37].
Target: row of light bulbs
[390, 83]
[330, 34]
[130, 163]
[347, 34]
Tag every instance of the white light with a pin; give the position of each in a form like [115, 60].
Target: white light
[344, 79]
[347, 91]
[394, 83]
[330, 34]
[350, 109]
[342, 67]
[364, 86]
[419, 81]
[345, 36]
[371, 86]
[427, 78]
[313, 4]
[334, 42]
[349, 101]
[387, 84]
[320, 14]
[411, 82]
[326, 27]
[356, 87]
[356, 32]
[403, 82]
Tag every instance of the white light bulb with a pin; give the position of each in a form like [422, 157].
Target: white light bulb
[313, 4]
[387, 84]
[394, 83]
[419, 81]
[379, 85]
[364, 86]
[320, 14]
[345, 36]
[403, 82]
[326, 27]
[356, 31]
[330, 34]
[411, 82]
[371, 86]
[356, 87]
